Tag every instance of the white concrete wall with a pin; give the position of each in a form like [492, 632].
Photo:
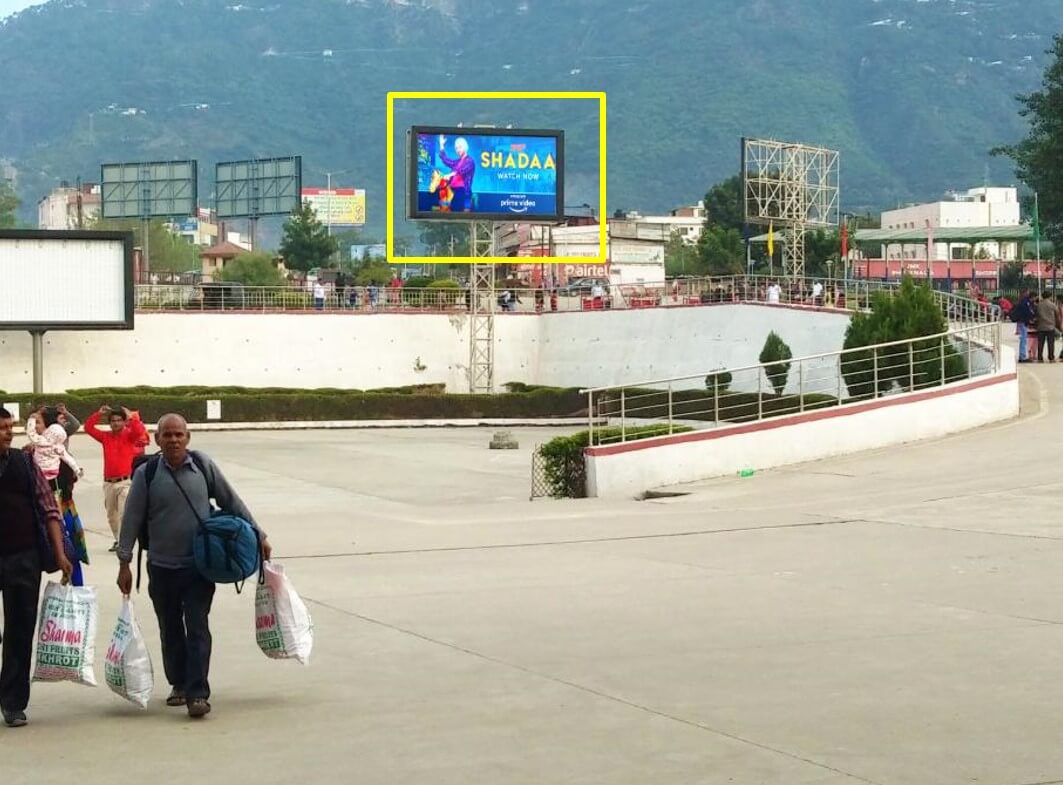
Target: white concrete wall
[381, 350]
[323, 350]
[799, 439]
[624, 347]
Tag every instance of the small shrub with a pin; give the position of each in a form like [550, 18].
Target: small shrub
[718, 381]
[777, 355]
[564, 466]
[449, 292]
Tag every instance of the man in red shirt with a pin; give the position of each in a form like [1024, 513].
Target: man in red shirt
[121, 444]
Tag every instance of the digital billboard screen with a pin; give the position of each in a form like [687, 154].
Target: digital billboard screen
[486, 174]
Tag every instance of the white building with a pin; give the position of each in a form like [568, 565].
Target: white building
[977, 207]
[68, 208]
[687, 221]
[634, 249]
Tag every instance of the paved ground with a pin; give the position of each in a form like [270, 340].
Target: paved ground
[895, 617]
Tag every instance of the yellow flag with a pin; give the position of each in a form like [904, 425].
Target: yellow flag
[771, 240]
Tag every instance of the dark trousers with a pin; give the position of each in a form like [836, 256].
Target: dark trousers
[20, 584]
[1043, 337]
[182, 602]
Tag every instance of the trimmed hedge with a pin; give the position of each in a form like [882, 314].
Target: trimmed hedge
[734, 407]
[278, 404]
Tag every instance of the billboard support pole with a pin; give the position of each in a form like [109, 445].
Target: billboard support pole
[146, 266]
[482, 236]
[38, 361]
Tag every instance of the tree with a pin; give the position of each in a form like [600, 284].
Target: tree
[253, 269]
[445, 238]
[1039, 157]
[778, 354]
[821, 246]
[306, 243]
[911, 312]
[680, 257]
[9, 204]
[167, 252]
[378, 273]
[722, 251]
[723, 205]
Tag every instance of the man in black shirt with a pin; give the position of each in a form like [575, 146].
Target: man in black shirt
[28, 515]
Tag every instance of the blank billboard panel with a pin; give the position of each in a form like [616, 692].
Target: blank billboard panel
[154, 189]
[88, 275]
[265, 186]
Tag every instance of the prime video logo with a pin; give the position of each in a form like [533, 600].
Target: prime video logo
[518, 203]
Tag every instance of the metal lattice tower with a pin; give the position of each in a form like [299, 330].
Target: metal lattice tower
[793, 187]
[482, 309]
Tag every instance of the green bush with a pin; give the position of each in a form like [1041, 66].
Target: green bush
[451, 292]
[564, 466]
[718, 381]
[252, 269]
[777, 353]
[911, 312]
[290, 299]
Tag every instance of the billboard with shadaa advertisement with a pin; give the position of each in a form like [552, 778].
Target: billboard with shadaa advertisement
[485, 174]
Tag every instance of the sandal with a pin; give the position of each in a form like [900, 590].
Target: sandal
[177, 698]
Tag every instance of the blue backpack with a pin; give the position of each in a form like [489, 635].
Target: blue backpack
[226, 548]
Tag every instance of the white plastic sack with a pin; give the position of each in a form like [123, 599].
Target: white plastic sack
[66, 635]
[283, 627]
[127, 666]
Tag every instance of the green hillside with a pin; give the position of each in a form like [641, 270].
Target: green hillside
[913, 92]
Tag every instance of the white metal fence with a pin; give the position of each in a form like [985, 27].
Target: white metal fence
[848, 295]
[757, 392]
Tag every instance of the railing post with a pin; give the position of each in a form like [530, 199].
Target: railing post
[760, 395]
[623, 416]
[716, 404]
[590, 418]
[911, 367]
[942, 360]
[874, 373]
[669, 408]
[970, 356]
[800, 387]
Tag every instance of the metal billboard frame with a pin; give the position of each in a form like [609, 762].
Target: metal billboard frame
[252, 187]
[413, 214]
[38, 329]
[148, 189]
[126, 238]
[796, 186]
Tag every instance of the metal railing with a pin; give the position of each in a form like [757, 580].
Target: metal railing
[752, 393]
[850, 295]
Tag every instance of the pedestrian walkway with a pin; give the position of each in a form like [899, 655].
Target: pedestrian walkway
[889, 618]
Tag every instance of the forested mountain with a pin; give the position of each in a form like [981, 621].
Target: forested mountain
[913, 92]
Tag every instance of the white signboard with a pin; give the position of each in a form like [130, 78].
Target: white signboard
[66, 280]
[213, 410]
[636, 253]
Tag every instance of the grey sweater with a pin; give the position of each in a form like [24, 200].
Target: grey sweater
[170, 520]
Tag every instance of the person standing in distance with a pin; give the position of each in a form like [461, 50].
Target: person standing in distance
[121, 444]
[181, 596]
[27, 505]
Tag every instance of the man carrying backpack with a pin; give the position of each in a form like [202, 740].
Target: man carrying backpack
[169, 510]
[31, 540]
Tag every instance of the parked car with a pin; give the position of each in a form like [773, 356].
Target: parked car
[581, 287]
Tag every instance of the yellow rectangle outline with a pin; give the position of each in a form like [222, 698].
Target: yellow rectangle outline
[389, 236]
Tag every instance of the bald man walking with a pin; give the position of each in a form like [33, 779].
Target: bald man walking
[179, 497]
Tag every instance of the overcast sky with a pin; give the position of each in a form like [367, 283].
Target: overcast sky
[10, 6]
